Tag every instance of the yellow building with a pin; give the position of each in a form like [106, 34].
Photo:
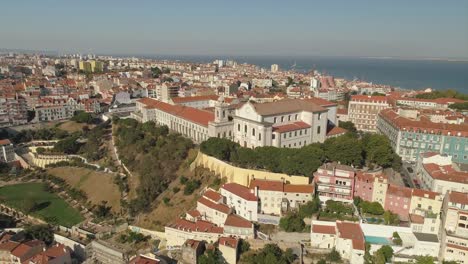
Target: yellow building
[91, 66]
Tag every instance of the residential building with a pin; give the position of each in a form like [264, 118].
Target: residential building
[237, 226]
[212, 209]
[276, 197]
[181, 230]
[439, 103]
[105, 252]
[363, 111]
[411, 137]
[56, 254]
[440, 174]
[347, 238]
[335, 181]
[425, 211]
[142, 259]
[20, 252]
[229, 248]
[274, 68]
[242, 199]
[7, 151]
[192, 249]
[454, 231]
[398, 200]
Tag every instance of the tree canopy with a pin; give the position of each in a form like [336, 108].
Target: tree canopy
[269, 254]
[443, 94]
[40, 232]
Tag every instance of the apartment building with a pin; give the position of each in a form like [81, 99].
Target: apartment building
[439, 103]
[242, 199]
[454, 231]
[363, 111]
[277, 198]
[7, 151]
[425, 209]
[335, 182]
[212, 209]
[411, 137]
[440, 174]
[347, 238]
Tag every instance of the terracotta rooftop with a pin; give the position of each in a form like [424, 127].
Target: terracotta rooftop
[425, 194]
[198, 226]
[323, 229]
[458, 197]
[351, 231]
[229, 242]
[181, 100]
[417, 219]
[5, 142]
[399, 191]
[336, 131]
[215, 206]
[369, 98]
[403, 123]
[320, 101]
[237, 221]
[291, 127]
[144, 260]
[194, 115]
[212, 195]
[240, 191]
[194, 213]
[445, 173]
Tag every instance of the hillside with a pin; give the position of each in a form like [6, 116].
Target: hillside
[98, 186]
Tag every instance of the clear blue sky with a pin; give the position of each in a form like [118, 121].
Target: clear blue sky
[409, 28]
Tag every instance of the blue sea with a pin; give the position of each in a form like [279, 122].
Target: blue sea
[402, 73]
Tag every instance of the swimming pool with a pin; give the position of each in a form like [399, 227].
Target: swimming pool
[378, 240]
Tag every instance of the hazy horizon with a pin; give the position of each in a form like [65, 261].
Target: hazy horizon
[362, 28]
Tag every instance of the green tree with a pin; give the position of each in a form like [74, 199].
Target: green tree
[348, 125]
[309, 208]
[459, 106]
[83, 117]
[292, 223]
[425, 260]
[387, 253]
[40, 232]
[269, 254]
[211, 257]
[322, 261]
[346, 149]
[378, 150]
[396, 239]
[334, 255]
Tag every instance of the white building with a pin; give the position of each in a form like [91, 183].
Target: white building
[212, 208]
[241, 199]
[454, 234]
[7, 151]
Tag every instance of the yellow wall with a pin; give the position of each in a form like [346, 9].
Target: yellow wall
[240, 175]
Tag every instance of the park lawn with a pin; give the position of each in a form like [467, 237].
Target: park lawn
[72, 126]
[51, 205]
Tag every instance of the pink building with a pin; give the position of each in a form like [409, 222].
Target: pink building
[398, 200]
[364, 186]
[335, 182]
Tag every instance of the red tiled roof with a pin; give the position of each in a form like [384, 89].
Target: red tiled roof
[424, 193]
[198, 116]
[180, 100]
[458, 197]
[5, 142]
[215, 206]
[321, 102]
[399, 191]
[457, 247]
[20, 250]
[417, 219]
[351, 231]
[323, 229]
[240, 191]
[198, 226]
[369, 98]
[228, 241]
[194, 213]
[445, 173]
[237, 221]
[336, 131]
[9, 245]
[291, 127]
[403, 123]
[266, 185]
[299, 188]
[212, 195]
[342, 111]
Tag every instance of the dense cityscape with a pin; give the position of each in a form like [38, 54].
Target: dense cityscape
[233, 132]
[131, 160]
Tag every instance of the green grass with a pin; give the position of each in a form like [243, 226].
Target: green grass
[52, 207]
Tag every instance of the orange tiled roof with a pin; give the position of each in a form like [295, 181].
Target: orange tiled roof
[458, 197]
[291, 127]
[351, 231]
[240, 191]
[188, 113]
[237, 221]
[218, 207]
[228, 241]
[323, 229]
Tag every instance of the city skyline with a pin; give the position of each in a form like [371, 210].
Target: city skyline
[419, 29]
